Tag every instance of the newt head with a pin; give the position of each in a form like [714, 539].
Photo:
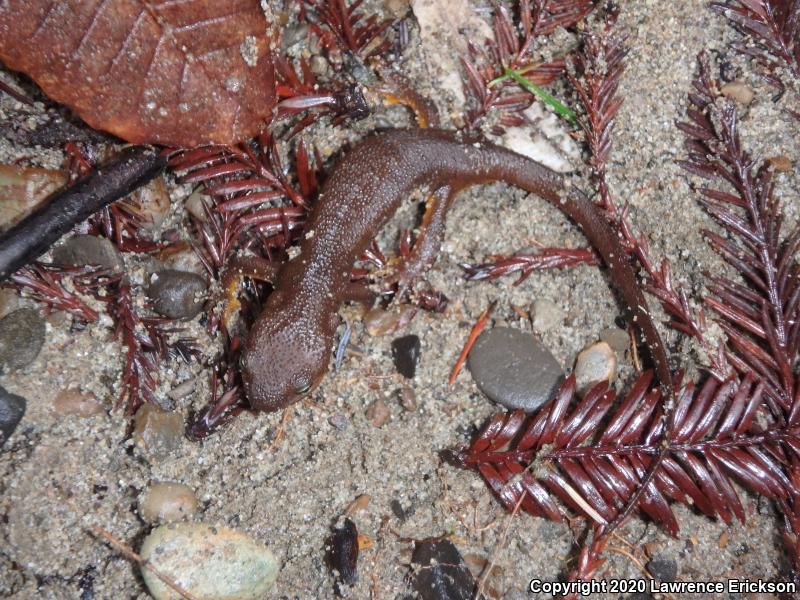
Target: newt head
[284, 359]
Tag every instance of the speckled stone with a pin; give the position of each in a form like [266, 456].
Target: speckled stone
[514, 369]
[167, 502]
[22, 335]
[211, 563]
[595, 364]
[177, 294]
[12, 409]
[82, 250]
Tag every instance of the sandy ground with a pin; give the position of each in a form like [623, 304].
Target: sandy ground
[59, 475]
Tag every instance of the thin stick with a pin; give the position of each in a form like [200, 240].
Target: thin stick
[473, 335]
[132, 168]
[130, 554]
[497, 548]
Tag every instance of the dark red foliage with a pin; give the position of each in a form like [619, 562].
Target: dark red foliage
[588, 455]
[761, 312]
[525, 264]
[343, 28]
[773, 29]
[45, 284]
[147, 341]
[253, 204]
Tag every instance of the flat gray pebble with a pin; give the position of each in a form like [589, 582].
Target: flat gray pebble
[177, 294]
[82, 250]
[12, 409]
[21, 337]
[514, 369]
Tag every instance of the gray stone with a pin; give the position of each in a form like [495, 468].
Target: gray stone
[663, 569]
[177, 294]
[82, 250]
[12, 409]
[617, 338]
[514, 369]
[208, 562]
[21, 337]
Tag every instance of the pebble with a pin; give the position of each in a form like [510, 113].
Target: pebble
[405, 354]
[180, 257]
[82, 250]
[153, 203]
[514, 369]
[22, 189]
[208, 562]
[382, 322]
[546, 314]
[663, 569]
[398, 8]
[407, 399]
[22, 335]
[343, 554]
[617, 338]
[440, 573]
[157, 432]
[594, 364]
[339, 421]
[183, 389]
[780, 163]
[177, 294]
[12, 409]
[167, 502]
[75, 402]
[9, 301]
[318, 65]
[378, 413]
[739, 91]
[195, 204]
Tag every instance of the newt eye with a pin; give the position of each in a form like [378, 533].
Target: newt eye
[303, 387]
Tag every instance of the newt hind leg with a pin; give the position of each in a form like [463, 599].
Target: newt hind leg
[428, 243]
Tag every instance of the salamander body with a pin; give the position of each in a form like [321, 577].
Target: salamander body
[289, 346]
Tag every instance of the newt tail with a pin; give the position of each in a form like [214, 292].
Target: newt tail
[289, 346]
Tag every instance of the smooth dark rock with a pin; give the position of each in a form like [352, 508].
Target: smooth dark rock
[82, 250]
[177, 294]
[21, 337]
[12, 409]
[663, 569]
[440, 572]
[405, 354]
[514, 369]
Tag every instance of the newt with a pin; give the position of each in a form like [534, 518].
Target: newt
[289, 346]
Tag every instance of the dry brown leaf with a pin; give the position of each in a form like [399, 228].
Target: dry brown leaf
[172, 72]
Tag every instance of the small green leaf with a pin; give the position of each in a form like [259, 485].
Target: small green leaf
[561, 109]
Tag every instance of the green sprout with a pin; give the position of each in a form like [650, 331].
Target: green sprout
[561, 109]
